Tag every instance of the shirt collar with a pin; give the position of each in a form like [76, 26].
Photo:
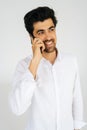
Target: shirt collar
[58, 58]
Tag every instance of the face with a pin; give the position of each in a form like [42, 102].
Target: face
[46, 32]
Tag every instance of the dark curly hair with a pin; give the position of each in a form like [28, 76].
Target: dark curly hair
[38, 14]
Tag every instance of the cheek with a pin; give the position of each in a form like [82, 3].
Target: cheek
[51, 36]
[41, 37]
[55, 37]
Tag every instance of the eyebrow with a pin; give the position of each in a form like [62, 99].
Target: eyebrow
[41, 30]
[51, 27]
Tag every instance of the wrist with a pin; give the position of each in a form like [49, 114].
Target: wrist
[36, 59]
[34, 65]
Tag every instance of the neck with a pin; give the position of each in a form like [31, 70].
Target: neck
[50, 56]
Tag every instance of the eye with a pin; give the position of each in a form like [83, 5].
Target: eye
[52, 29]
[40, 32]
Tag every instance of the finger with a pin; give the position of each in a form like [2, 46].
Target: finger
[37, 41]
[34, 40]
[42, 46]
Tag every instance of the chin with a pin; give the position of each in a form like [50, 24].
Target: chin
[50, 50]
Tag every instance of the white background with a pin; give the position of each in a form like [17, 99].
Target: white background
[15, 45]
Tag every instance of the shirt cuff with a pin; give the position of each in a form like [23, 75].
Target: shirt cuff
[79, 124]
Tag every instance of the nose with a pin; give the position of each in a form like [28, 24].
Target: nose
[47, 35]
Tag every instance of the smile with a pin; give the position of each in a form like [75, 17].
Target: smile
[48, 42]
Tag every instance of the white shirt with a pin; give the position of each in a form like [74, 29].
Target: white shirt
[54, 98]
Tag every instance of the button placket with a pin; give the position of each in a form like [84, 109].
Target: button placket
[57, 90]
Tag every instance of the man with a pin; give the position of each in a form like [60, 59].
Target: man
[47, 82]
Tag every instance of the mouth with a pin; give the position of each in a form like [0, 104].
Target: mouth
[48, 43]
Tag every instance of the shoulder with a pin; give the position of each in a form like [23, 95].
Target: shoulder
[69, 59]
[24, 63]
[26, 59]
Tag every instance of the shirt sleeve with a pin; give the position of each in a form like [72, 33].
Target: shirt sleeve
[23, 89]
[77, 106]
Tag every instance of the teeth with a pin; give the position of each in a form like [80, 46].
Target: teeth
[48, 43]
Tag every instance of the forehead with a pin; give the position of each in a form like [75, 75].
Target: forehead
[43, 25]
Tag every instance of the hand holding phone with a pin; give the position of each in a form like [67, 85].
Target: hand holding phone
[37, 43]
[37, 48]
